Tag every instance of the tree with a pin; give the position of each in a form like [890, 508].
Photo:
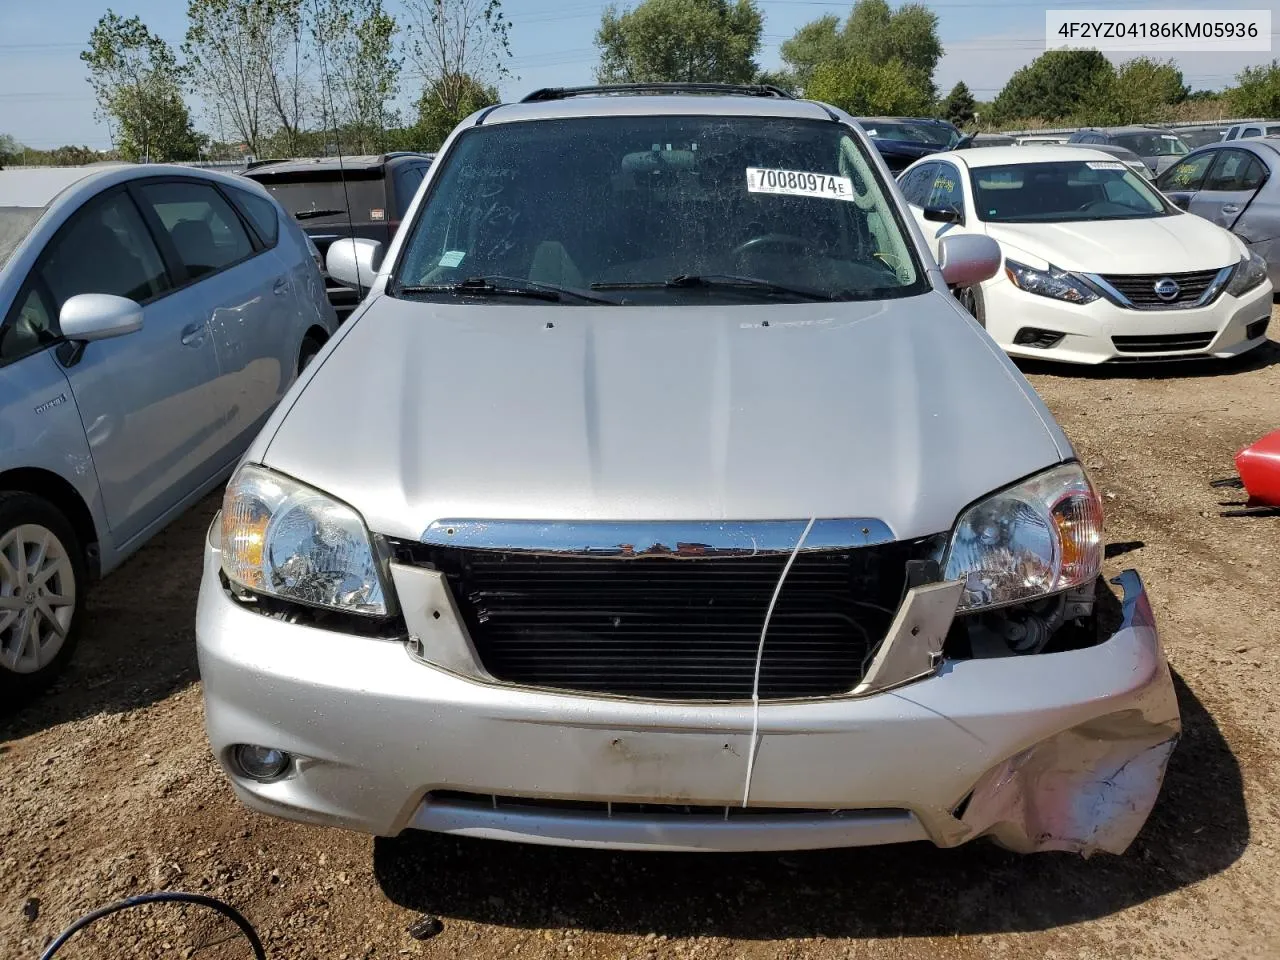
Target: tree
[10, 149]
[874, 34]
[958, 107]
[459, 47]
[859, 86]
[713, 41]
[1143, 90]
[238, 52]
[439, 113]
[1257, 93]
[360, 70]
[138, 85]
[1054, 86]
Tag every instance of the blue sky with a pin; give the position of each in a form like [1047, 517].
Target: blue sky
[45, 101]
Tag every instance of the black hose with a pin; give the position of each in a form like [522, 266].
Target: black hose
[165, 896]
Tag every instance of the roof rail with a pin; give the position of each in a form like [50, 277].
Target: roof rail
[741, 89]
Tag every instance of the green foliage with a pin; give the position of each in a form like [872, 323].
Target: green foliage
[869, 89]
[873, 34]
[1054, 86]
[357, 38]
[10, 149]
[461, 49]
[1143, 91]
[138, 85]
[680, 40]
[1257, 93]
[958, 107]
[443, 105]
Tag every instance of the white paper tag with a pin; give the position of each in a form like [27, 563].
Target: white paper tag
[798, 183]
[1105, 165]
[452, 258]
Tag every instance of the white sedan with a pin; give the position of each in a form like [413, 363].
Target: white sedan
[1098, 266]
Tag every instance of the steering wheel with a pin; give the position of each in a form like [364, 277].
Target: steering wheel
[767, 240]
[1086, 207]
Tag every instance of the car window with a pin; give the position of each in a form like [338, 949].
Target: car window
[206, 233]
[106, 248]
[1251, 132]
[946, 192]
[320, 197]
[1235, 170]
[1063, 191]
[1187, 174]
[408, 177]
[262, 213]
[644, 199]
[15, 224]
[29, 327]
[918, 183]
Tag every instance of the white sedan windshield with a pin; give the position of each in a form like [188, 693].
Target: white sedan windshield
[1063, 191]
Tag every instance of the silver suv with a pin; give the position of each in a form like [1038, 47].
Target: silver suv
[660, 495]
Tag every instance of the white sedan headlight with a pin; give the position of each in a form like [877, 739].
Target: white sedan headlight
[285, 539]
[1249, 273]
[1041, 536]
[1054, 283]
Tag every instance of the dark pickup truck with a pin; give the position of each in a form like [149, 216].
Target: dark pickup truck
[378, 189]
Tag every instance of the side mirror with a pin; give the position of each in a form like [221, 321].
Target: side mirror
[944, 214]
[354, 261]
[968, 259]
[964, 142]
[98, 316]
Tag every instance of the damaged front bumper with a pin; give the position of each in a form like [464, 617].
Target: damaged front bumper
[1056, 751]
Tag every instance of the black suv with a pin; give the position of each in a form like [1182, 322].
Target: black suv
[378, 188]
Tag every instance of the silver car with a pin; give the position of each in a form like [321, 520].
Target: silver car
[660, 495]
[1234, 185]
[150, 320]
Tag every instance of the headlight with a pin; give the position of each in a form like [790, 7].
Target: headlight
[1249, 272]
[283, 538]
[1038, 537]
[1053, 282]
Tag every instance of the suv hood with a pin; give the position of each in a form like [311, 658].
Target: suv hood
[1148, 245]
[901, 410]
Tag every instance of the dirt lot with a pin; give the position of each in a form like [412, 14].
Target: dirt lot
[107, 787]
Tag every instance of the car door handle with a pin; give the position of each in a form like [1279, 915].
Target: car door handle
[281, 286]
[193, 335]
[1231, 208]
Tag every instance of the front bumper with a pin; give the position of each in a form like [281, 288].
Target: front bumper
[1088, 330]
[1061, 751]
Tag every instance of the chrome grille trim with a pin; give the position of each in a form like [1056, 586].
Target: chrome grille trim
[678, 539]
[1213, 283]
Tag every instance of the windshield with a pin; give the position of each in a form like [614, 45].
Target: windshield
[625, 204]
[15, 224]
[1198, 138]
[1153, 144]
[934, 134]
[1063, 191]
[320, 199]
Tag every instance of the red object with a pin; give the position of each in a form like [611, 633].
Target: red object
[1259, 467]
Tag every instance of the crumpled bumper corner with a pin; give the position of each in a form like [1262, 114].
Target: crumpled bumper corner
[1091, 787]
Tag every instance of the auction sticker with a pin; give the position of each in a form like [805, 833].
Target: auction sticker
[1105, 165]
[798, 183]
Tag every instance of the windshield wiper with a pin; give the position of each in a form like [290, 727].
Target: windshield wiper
[507, 286]
[309, 214]
[722, 281]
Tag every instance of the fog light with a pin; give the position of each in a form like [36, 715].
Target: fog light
[260, 763]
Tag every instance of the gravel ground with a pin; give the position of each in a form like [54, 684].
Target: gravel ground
[107, 787]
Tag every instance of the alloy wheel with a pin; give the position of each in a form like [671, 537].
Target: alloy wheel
[37, 597]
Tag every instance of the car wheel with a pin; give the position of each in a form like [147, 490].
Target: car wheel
[971, 299]
[307, 352]
[42, 580]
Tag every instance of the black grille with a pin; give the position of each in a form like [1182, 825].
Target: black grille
[668, 628]
[1139, 288]
[599, 808]
[1160, 342]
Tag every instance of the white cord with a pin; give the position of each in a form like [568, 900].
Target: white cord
[755, 685]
